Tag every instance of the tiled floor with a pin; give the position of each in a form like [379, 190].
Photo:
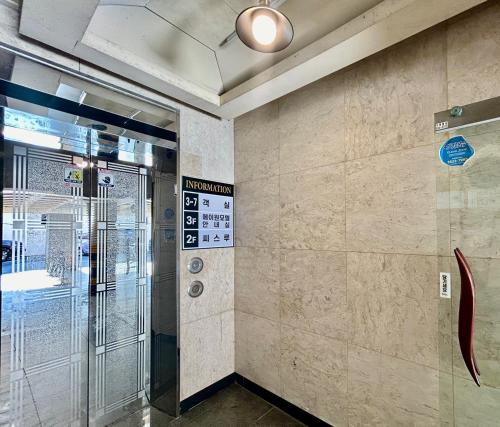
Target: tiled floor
[232, 407]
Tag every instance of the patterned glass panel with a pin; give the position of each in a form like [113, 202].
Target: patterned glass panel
[121, 290]
[44, 291]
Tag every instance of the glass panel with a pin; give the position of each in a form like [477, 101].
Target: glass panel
[45, 272]
[469, 218]
[121, 280]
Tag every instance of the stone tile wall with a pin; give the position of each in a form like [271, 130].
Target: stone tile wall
[337, 260]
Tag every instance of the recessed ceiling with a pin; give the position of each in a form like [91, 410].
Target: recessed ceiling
[187, 48]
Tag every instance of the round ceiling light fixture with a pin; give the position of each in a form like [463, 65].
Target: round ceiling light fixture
[264, 29]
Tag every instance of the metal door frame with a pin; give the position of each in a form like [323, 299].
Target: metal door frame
[462, 116]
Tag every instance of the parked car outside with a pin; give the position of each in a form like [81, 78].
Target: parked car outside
[7, 249]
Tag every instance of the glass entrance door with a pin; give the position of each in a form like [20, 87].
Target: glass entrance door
[469, 242]
[77, 256]
[45, 270]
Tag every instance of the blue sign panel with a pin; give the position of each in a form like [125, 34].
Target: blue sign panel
[456, 151]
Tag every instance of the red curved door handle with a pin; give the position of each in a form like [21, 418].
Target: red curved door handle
[466, 316]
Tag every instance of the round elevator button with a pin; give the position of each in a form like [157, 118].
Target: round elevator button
[195, 265]
[195, 289]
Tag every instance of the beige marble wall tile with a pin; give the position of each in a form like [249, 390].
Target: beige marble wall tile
[191, 164]
[257, 282]
[312, 209]
[311, 125]
[475, 406]
[258, 350]
[385, 391]
[391, 98]
[256, 144]
[314, 374]
[474, 56]
[446, 414]
[486, 274]
[393, 302]
[207, 352]
[313, 291]
[391, 203]
[217, 277]
[257, 213]
[212, 140]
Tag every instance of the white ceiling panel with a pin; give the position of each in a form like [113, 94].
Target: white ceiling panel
[22, 74]
[239, 5]
[145, 38]
[64, 27]
[208, 21]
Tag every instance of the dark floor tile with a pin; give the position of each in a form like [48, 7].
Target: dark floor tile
[277, 418]
[233, 406]
[158, 418]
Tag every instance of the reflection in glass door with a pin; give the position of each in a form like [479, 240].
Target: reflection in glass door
[77, 256]
[469, 220]
[45, 273]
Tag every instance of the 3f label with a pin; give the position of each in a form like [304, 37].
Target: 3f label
[445, 285]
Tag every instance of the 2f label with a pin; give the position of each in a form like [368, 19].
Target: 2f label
[445, 285]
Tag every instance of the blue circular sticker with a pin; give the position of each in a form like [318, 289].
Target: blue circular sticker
[456, 151]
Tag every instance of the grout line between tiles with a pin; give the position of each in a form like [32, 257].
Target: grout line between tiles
[343, 251]
[281, 387]
[348, 327]
[265, 413]
[220, 313]
[347, 340]
[279, 174]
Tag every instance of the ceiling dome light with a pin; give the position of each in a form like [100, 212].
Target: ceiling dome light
[264, 29]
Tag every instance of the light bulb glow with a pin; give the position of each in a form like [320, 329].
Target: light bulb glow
[32, 137]
[264, 29]
[82, 164]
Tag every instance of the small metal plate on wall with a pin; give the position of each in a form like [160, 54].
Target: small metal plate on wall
[195, 265]
[195, 289]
